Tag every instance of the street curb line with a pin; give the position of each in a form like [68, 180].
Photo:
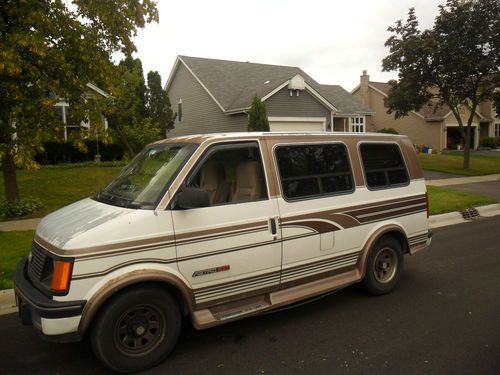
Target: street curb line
[8, 301]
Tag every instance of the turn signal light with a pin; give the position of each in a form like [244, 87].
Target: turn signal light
[61, 276]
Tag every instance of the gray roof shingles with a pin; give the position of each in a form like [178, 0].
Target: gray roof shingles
[234, 83]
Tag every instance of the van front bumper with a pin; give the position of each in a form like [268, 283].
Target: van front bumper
[55, 320]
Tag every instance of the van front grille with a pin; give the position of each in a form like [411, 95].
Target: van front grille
[37, 262]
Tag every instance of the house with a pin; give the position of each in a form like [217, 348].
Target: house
[64, 110]
[435, 128]
[212, 95]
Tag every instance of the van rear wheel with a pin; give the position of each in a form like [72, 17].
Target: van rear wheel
[136, 329]
[384, 266]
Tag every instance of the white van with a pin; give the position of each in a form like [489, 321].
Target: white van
[218, 227]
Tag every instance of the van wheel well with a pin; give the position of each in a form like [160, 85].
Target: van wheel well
[400, 237]
[174, 292]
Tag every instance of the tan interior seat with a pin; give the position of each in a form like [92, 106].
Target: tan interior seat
[213, 181]
[248, 181]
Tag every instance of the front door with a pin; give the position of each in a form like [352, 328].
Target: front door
[232, 248]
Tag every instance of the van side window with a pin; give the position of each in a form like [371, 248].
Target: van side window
[383, 165]
[314, 170]
[232, 174]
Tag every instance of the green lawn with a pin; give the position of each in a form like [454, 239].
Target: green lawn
[13, 246]
[453, 162]
[446, 200]
[57, 187]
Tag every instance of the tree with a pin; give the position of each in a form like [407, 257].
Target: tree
[128, 110]
[140, 114]
[456, 63]
[158, 105]
[49, 50]
[257, 116]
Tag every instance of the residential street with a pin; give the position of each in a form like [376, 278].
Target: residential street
[443, 319]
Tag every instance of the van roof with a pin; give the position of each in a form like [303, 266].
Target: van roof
[200, 138]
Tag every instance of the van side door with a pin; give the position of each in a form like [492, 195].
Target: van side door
[315, 179]
[230, 248]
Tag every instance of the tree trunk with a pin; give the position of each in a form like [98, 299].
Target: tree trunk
[467, 146]
[9, 176]
[131, 152]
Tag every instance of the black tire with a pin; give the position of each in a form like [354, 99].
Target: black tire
[383, 266]
[136, 329]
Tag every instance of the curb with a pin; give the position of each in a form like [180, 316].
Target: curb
[8, 302]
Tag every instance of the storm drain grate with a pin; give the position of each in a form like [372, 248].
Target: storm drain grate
[469, 213]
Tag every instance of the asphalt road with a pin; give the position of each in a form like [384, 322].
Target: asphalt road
[443, 319]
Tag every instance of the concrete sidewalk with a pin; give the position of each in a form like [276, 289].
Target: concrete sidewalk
[27, 224]
[463, 180]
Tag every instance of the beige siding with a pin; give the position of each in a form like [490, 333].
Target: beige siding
[420, 131]
[200, 112]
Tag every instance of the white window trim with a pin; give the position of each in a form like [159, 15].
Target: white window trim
[361, 124]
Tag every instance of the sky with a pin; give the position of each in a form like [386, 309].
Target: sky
[331, 40]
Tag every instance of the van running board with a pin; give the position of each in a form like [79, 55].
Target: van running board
[240, 311]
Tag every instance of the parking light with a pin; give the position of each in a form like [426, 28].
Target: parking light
[62, 275]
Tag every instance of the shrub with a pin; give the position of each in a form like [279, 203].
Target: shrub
[66, 152]
[492, 142]
[388, 131]
[21, 208]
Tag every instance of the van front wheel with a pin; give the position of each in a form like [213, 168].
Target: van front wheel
[136, 329]
[384, 266]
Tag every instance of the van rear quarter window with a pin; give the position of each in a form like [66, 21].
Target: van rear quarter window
[383, 165]
[314, 170]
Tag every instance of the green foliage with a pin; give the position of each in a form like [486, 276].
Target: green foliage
[20, 208]
[158, 105]
[257, 116]
[49, 51]
[388, 131]
[454, 63]
[140, 114]
[142, 133]
[67, 152]
[492, 142]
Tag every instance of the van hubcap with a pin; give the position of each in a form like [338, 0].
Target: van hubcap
[385, 265]
[139, 330]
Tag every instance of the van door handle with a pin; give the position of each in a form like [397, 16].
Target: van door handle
[273, 227]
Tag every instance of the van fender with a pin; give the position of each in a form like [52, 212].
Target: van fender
[129, 276]
[372, 238]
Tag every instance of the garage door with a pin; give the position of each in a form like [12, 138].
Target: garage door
[286, 125]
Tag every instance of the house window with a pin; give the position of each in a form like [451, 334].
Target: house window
[357, 124]
[179, 110]
[497, 129]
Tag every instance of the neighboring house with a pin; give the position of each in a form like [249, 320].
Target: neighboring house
[435, 128]
[64, 109]
[211, 95]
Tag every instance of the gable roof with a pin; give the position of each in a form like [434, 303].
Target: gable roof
[232, 84]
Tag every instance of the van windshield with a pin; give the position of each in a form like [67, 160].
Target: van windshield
[144, 181]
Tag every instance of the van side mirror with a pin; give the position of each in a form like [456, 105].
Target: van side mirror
[192, 197]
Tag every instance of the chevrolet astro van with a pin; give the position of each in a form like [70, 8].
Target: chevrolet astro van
[219, 227]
